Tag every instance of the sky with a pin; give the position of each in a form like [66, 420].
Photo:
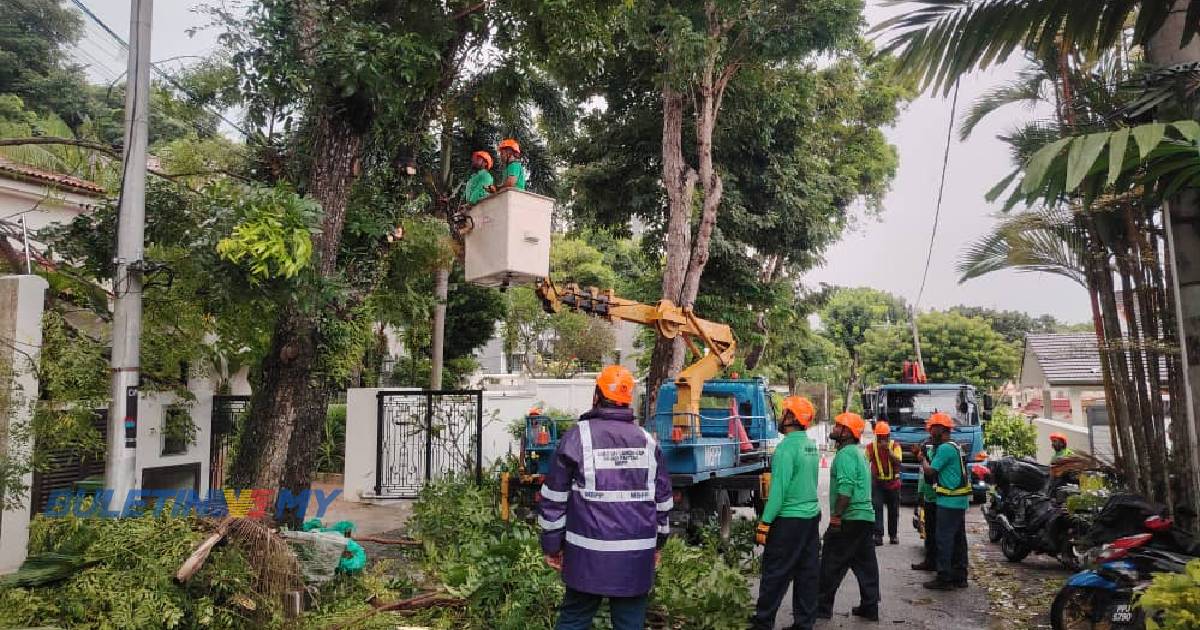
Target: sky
[887, 252]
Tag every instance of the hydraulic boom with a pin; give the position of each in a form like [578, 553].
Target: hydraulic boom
[670, 321]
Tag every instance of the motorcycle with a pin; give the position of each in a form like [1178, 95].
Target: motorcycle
[1104, 597]
[1024, 520]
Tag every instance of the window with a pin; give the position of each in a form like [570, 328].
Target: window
[178, 431]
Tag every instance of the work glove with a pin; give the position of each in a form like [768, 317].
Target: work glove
[760, 533]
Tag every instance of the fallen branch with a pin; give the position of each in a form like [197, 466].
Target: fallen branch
[431, 599]
[196, 560]
[408, 542]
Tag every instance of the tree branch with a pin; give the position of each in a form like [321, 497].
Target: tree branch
[114, 151]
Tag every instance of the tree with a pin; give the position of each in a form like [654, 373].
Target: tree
[945, 39]
[1010, 431]
[1012, 325]
[955, 349]
[849, 315]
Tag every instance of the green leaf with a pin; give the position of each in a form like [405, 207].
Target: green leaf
[1035, 169]
[1189, 129]
[1116, 153]
[1083, 153]
[1148, 136]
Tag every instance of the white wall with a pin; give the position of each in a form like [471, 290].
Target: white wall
[500, 408]
[40, 205]
[151, 414]
[21, 300]
[1078, 437]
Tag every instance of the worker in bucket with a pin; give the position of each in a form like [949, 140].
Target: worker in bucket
[848, 543]
[514, 169]
[953, 490]
[1058, 442]
[791, 522]
[884, 457]
[604, 507]
[477, 186]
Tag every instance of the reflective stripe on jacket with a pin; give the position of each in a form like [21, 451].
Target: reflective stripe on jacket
[964, 486]
[605, 504]
[881, 461]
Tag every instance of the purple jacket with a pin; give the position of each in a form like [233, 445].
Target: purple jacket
[605, 504]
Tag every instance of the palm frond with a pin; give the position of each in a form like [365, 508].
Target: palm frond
[1027, 90]
[1046, 240]
[944, 39]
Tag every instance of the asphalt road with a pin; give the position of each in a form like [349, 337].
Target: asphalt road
[904, 601]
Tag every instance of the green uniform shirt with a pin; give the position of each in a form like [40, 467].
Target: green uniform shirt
[949, 467]
[851, 476]
[1066, 452]
[477, 186]
[924, 488]
[794, 479]
[517, 170]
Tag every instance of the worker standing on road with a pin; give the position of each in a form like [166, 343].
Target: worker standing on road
[514, 169]
[953, 497]
[847, 544]
[791, 521]
[884, 457]
[477, 186]
[604, 508]
[927, 508]
[1058, 442]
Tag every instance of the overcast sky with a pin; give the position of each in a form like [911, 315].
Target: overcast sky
[887, 253]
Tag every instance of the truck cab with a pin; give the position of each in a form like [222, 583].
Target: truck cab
[906, 407]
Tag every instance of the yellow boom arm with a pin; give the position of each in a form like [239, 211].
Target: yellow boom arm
[669, 321]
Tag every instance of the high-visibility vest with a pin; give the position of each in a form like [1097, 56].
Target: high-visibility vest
[887, 456]
[964, 487]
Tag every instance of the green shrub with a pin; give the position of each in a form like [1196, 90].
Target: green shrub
[130, 585]
[1172, 601]
[332, 456]
[1010, 431]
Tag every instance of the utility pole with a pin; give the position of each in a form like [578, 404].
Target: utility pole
[120, 470]
[912, 317]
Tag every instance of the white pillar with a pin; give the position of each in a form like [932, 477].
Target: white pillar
[21, 300]
[1048, 403]
[1076, 396]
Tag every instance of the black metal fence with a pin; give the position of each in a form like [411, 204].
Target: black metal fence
[227, 412]
[427, 435]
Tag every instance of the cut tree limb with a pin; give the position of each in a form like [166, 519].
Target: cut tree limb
[196, 560]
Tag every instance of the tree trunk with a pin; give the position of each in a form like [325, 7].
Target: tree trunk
[679, 180]
[851, 383]
[283, 430]
[440, 291]
[1182, 222]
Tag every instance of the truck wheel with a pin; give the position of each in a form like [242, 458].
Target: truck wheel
[709, 504]
[724, 514]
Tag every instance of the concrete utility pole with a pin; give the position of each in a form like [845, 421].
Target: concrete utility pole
[120, 471]
[912, 317]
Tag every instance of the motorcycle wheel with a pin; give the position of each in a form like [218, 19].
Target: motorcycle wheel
[1014, 550]
[995, 532]
[1073, 610]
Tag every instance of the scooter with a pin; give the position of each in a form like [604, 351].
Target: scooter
[1104, 597]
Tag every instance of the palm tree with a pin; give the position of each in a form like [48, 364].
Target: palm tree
[943, 39]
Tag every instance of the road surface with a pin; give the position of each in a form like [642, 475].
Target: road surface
[904, 602]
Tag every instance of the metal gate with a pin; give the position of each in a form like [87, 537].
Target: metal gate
[427, 435]
[227, 412]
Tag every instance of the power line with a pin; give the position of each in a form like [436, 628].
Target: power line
[158, 71]
[937, 211]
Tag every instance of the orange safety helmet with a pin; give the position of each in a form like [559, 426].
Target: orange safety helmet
[487, 157]
[616, 384]
[509, 143]
[1058, 436]
[939, 419]
[801, 409]
[851, 421]
[882, 428]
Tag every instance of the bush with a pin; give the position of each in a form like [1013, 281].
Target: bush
[1011, 432]
[128, 582]
[498, 568]
[332, 457]
[1172, 601]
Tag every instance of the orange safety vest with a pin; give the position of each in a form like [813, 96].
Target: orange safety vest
[891, 473]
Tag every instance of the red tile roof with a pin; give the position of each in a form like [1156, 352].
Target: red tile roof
[12, 169]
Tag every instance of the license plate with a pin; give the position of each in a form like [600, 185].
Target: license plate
[1122, 613]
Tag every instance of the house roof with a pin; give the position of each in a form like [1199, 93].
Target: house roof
[13, 170]
[1067, 359]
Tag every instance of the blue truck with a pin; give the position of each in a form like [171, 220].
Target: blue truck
[906, 407]
[723, 465]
